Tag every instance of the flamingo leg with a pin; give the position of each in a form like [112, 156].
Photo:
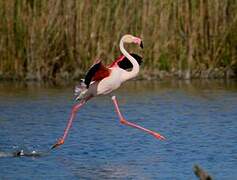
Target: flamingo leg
[125, 122]
[75, 108]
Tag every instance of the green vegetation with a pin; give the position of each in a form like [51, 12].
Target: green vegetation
[60, 39]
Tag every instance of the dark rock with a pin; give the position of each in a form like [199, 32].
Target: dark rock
[201, 173]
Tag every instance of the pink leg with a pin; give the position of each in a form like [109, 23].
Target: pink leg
[125, 122]
[75, 108]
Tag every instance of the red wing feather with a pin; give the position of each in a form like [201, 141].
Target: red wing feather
[101, 73]
[96, 72]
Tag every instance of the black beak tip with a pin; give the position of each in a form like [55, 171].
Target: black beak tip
[141, 45]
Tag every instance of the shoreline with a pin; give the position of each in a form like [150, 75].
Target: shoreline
[139, 80]
[144, 75]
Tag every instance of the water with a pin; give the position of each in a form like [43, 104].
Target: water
[199, 121]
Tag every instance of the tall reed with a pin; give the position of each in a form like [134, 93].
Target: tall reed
[51, 39]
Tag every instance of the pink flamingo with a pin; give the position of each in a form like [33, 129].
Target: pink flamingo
[101, 80]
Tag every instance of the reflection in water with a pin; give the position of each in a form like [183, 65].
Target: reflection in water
[198, 119]
[96, 170]
[5, 154]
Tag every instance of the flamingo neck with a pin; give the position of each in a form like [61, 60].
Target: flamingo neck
[135, 70]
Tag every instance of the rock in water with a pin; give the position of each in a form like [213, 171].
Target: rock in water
[201, 173]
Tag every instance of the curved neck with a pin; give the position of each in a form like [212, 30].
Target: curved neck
[135, 70]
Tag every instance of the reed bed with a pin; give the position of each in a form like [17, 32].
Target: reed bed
[60, 39]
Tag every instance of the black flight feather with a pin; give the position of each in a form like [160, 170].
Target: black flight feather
[91, 73]
[126, 64]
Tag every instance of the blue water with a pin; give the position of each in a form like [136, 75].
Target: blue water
[199, 121]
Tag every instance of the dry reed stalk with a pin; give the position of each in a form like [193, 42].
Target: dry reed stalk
[50, 39]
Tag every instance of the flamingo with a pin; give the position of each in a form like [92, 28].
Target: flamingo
[101, 80]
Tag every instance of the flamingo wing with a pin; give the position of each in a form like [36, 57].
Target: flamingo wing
[124, 63]
[97, 72]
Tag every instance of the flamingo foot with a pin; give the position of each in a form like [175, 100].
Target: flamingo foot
[158, 136]
[59, 143]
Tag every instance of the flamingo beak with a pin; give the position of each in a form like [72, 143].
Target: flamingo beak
[141, 45]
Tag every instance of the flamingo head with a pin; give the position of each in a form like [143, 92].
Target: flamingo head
[132, 39]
